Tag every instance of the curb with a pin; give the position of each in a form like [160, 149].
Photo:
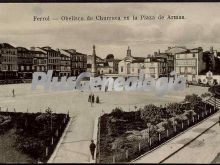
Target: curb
[133, 161]
[50, 160]
[95, 138]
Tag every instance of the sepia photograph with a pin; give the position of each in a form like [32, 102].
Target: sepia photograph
[110, 83]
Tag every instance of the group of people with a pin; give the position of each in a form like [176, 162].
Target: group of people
[92, 99]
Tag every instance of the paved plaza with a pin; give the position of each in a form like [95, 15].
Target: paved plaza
[75, 146]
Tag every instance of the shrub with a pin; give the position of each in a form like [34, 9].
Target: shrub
[204, 95]
[192, 98]
[174, 109]
[117, 112]
[151, 114]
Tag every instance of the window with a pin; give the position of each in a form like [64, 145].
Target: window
[121, 68]
[182, 69]
[189, 69]
[28, 68]
[35, 61]
[194, 70]
[194, 55]
[177, 69]
[152, 70]
[22, 68]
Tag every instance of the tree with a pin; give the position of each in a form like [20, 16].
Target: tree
[194, 100]
[174, 109]
[151, 114]
[215, 90]
[117, 112]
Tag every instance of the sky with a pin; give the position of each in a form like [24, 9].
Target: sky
[199, 28]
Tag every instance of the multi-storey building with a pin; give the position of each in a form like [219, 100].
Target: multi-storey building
[39, 60]
[211, 58]
[78, 62]
[169, 60]
[25, 62]
[8, 65]
[53, 60]
[155, 67]
[190, 63]
[109, 65]
[65, 66]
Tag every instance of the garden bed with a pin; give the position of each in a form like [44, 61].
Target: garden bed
[33, 136]
[125, 136]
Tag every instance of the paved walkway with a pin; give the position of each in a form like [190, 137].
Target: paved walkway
[201, 150]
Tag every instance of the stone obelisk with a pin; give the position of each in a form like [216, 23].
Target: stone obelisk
[94, 69]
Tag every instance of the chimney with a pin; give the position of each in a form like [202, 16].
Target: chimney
[32, 48]
[158, 51]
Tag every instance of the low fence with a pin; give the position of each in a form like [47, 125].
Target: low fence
[146, 144]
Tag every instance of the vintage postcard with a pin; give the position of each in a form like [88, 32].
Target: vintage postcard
[109, 83]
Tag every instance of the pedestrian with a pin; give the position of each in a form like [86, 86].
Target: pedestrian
[97, 99]
[89, 100]
[13, 93]
[92, 148]
[93, 98]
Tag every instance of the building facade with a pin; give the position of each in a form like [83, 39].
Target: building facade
[190, 63]
[39, 60]
[53, 60]
[65, 66]
[8, 64]
[168, 59]
[130, 65]
[108, 65]
[25, 62]
[78, 61]
[155, 67]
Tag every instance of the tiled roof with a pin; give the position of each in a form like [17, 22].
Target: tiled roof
[36, 52]
[6, 45]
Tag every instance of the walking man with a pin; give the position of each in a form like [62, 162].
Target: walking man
[13, 93]
[93, 98]
[92, 148]
[89, 100]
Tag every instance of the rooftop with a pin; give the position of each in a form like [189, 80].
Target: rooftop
[6, 45]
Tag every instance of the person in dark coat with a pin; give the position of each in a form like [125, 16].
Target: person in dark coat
[97, 99]
[92, 148]
[93, 98]
[89, 100]
[13, 93]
